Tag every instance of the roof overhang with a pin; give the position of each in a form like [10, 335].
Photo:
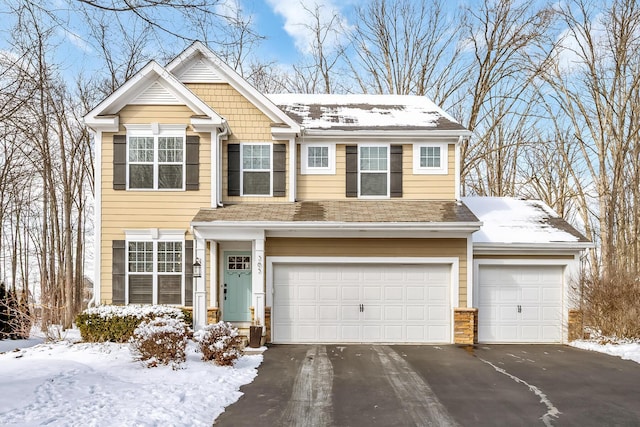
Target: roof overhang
[547, 248]
[318, 229]
[104, 116]
[406, 134]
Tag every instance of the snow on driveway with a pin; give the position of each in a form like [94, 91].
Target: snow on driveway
[100, 385]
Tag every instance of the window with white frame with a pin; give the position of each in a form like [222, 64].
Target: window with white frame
[373, 168]
[256, 169]
[156, 157]
[155, 272]
[430, 158]
[317, 159]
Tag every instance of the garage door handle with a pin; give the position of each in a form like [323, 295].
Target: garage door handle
[519, 309]
[361, 308]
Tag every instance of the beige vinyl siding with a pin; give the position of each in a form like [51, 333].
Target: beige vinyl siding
[414, 187]
[451, 248]
[141, 209]
[247, 123]
[323, 187]
[434, 187]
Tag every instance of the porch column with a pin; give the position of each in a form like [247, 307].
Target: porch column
[199, 288]
[257, 281]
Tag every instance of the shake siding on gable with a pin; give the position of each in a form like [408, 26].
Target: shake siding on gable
[147, 209]
[247, 123]
[451, 248]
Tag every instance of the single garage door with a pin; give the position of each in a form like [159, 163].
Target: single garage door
[355, 303]
[520, 303]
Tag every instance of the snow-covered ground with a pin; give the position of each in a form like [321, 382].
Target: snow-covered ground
[624, 350]
[69, 383]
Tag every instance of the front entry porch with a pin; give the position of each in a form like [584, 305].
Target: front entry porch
[231, 286]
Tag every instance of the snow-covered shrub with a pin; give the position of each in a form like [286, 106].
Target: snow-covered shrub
[116, 323]
[219, 342]
[160, 341]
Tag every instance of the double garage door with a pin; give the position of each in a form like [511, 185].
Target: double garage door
[520, 303]
[354, 303]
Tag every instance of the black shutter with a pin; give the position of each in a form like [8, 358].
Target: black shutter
[119, 162]
[279, 170]
[352, 170]
[233, 170]
[118, 269]
[193, 163]
[188, 273]
[396, 171]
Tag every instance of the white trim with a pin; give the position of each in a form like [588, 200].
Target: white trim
[261, 226]
[456, 172]
[144, 78]
[242, 169]
[153, 236]
[383, 134]
[156, 131]
[388, 171]
[550, 248]
[470, 272]
[454, 284]
[368, 234]
[305, 169]
[293, 170]
[571, 266]
[156, 128]
[443, 169]
[97, 222]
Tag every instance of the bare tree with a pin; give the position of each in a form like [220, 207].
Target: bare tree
[407, 47]
[596, 80]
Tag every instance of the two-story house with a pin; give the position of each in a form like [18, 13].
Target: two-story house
[324, 218]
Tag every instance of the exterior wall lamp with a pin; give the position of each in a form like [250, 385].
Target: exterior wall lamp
[197, 269]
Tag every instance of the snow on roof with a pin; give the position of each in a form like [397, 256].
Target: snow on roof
[510, 220]
[365, 112]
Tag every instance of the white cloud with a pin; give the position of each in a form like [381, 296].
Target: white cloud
[299, 20]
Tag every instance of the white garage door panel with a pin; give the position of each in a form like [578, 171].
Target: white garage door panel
[520, 303]
[321, 303]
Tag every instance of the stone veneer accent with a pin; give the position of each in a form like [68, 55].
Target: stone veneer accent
[465, 326]
[213, 315]
[267, 323]
[576, 327]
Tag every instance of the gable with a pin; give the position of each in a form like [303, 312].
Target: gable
[199, 71]
[198, 64]
[157, 94]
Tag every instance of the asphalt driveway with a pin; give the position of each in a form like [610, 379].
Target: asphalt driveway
[486, 385]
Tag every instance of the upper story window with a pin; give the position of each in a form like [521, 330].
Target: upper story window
[430, 158]
[155, 157]
[373, 168]
[256, 169]
[317, 159]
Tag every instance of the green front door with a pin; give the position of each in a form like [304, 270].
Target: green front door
[236, 289]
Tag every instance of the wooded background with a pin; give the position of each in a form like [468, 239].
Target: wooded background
[551, 91]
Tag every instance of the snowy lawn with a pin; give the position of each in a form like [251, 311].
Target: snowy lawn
[80, 384]
[624, 349]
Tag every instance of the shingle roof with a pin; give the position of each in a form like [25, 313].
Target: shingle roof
[365, 112]
[343, 211]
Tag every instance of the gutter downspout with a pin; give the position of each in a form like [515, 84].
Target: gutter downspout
[225, 132]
